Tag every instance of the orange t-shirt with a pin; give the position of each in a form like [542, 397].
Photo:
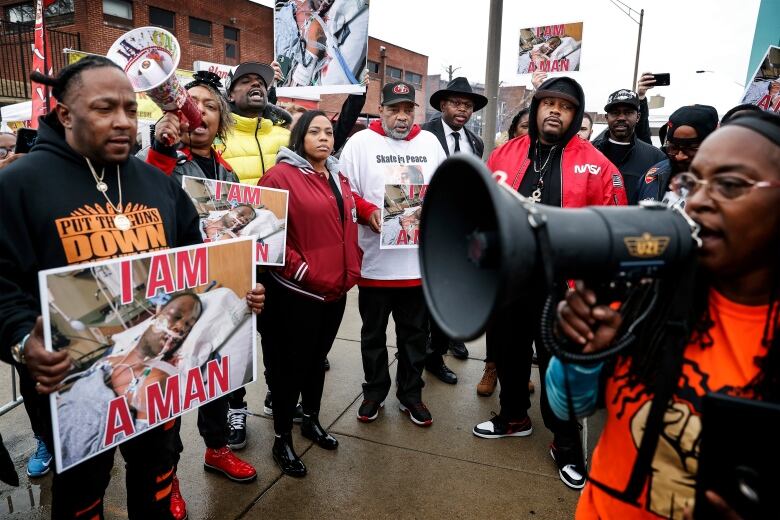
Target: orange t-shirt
[726, 366]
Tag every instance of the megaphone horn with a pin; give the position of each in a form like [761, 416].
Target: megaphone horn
[480, 245]
[149, 56]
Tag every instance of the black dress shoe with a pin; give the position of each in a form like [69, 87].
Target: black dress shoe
[312, 429]
[285, 456]
[444, 374]
[459, 349]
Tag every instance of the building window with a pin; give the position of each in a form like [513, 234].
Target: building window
[394, 74]
[231, 45]
[373, 67]
[200, 31]
[413, 78]
[162, 18]
[118, 12]
[59, 13]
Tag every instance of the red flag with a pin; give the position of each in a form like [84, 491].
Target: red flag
[41, 62]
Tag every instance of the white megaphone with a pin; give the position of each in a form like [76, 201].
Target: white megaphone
[149, 56]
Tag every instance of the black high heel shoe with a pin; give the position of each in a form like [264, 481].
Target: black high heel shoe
[285, 456]
[312, 429]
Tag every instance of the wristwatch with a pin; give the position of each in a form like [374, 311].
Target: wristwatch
[17, 351]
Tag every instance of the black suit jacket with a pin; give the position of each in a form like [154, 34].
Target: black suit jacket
[436, 128]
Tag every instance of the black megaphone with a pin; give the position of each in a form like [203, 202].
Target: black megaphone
[482, 245]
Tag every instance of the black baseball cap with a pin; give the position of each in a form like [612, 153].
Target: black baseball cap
[622, 97]
[557, 88]
[398, 92]
[702, 118]
[266, 72]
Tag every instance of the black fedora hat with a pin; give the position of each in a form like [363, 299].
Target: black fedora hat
[458, 87]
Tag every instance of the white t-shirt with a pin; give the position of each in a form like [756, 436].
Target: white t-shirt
[371, 161]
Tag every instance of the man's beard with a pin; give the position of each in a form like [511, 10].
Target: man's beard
[394, 134]
[551, 138]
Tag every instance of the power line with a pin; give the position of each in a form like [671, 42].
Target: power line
[624, 11]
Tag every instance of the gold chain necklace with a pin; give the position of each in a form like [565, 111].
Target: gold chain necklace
[121, 221]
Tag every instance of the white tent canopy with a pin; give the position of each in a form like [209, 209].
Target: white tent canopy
[16, 112]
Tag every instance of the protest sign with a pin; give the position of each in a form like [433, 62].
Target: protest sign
[404, 192]
[150, 337]
[230, 209]
[764, 90]
[321, 49]
[550, 48]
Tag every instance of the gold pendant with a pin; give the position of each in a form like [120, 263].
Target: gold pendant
[536, 196]
[122, 223]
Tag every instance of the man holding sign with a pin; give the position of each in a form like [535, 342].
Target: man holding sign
[390, 164]
[101, 204]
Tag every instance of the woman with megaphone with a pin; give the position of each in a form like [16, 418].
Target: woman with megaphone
[192, 153]
[179, 150]
[726, 341]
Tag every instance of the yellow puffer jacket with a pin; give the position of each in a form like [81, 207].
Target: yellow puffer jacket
[242, 150]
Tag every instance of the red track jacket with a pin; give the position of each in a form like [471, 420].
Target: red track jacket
[322, 256]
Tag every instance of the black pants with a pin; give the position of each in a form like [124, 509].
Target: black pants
[37, 409]
[297, 334]
[437, 346]
[212, 426]
[407, 306]
[510, 339]
[490, 352]
[78, 492]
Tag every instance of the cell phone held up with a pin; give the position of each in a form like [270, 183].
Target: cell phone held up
[25, 139]
[662, 80]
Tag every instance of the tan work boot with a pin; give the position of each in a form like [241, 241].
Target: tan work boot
[487, 385]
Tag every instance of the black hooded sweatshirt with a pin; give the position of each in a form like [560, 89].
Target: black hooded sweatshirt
[52, 215]
[551, 193]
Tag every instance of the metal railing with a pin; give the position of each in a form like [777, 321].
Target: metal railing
[16, 399]
[16, 44]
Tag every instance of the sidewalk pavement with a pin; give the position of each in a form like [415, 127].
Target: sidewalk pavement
[387, 469]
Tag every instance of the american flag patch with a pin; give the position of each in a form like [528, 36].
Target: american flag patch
[617, 180]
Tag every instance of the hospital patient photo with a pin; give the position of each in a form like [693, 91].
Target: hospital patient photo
[550, 48]
[229, 210]
[133, 327]
[321, 42]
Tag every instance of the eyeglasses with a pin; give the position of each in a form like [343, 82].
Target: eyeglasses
[5, 152]
[672, 149]
[720, 187]
[468, 105]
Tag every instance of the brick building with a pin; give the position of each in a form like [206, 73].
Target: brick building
[387, 63]
[206, 30]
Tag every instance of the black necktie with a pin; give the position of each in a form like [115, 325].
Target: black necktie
[456, 136]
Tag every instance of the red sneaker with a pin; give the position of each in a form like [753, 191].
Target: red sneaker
[222, 460]
[178, 505]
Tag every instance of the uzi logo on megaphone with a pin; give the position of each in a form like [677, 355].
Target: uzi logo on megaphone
[149, 56]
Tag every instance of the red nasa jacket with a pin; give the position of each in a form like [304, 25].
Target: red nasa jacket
[587, 177]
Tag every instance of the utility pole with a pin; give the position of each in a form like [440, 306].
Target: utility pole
[638, 45]
[629, 11]
[491, 74]
[450, 70]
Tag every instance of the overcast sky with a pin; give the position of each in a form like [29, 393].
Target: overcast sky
[679, 37]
